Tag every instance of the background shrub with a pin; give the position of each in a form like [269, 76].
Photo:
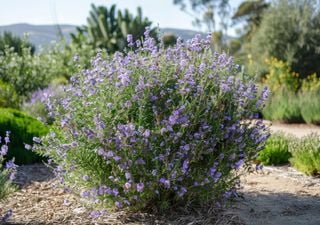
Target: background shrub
[306, 154]
[276, 151]
[8, 96]
[23, 128]
[283, 106]
[310, 106]
[289, 31]
[36, 105]
[156, 127]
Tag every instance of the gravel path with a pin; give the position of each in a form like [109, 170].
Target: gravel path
[298, 130]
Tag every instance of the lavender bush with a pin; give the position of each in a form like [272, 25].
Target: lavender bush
[156, 127]
[36, 106]
[7, 174]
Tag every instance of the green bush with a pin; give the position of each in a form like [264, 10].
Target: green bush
[306, 154]
[289, 31]
[276, 151]
[25, 72]
[157, 127]
[23, 128]
[17, 44]
[310, 106]
[8, 96]
[283, 106]
[36, 106]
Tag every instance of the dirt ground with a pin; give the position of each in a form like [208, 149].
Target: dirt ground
[279, 196]
[275, 196]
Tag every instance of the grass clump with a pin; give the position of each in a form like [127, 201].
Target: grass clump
[276, 151]
[306, 154]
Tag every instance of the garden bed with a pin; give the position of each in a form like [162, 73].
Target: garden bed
[38, 201]
[278, 195]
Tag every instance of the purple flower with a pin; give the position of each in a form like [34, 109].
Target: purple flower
[140, 162]
[182, 191]
[97, 214]
[36, 140]
[239, 163]
[217, 177]
[146, 133]
[185, 166]
[127, 185]
[118, 204]
[165, 182]
[10, 165]
[7, 216]
[4, 150]
[128, 175]
[130, 40]
[140, 187]
[115, 192]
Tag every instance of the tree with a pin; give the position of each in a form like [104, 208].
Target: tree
[251, 12]
[108, 28]
[15, 42]
[205, 12]
[290, 31]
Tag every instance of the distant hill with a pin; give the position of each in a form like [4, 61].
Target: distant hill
[41, 35]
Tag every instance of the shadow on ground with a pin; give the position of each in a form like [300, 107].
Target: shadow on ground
[278, 209]
[27, 174]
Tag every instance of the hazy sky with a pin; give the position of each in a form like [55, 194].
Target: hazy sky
[75, 12]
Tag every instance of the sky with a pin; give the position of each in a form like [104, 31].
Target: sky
[75, 12]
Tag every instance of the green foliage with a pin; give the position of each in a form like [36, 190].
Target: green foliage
[17, 44]
[280, 76]
[306, 154]
[28, 73]
[252, 13]
[206, 12]
[283, 106]
[24, 72]
[169, 39]
[290, 31]
[276, 151]
[8, 96]
[108, 28]
[23, 128]
[310, 106]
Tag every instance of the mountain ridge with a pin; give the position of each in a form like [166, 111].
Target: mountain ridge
[42, 35]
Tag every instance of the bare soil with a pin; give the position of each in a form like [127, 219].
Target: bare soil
[279, 196]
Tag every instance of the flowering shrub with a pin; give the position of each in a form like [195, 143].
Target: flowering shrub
[156, 127]
[280, 76]
[7, 174]
[36, 105]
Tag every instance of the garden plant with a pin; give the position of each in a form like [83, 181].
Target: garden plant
[276, 151]
[7, 174]
[155, 127]
[306, 154]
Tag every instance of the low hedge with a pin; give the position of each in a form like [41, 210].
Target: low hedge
[23, 128]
